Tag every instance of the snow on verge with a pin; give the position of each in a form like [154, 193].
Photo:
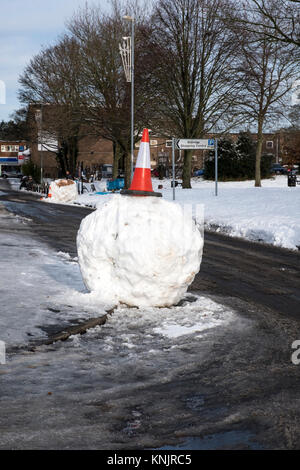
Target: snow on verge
[140, 251]
[38, 285]
[269, 214]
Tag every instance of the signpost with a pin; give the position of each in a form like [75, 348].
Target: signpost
[216, 168]
[194, 144]
[173, 166]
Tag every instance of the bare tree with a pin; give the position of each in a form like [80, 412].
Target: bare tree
[267, 72]
[107, 95]
[279, 21]
[294, 116]
[192, 58]
[53, 80]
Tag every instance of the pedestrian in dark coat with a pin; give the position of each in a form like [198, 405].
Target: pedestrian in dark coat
[24, 180]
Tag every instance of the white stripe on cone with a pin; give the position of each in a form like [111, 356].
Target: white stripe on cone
[143, 159]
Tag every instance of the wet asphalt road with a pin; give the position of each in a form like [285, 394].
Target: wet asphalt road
[236, 389]
[231, 267]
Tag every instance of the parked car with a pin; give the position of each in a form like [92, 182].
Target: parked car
[294, 169]
[11, 174]
[278, 169]
[198, 173]
[107, 171]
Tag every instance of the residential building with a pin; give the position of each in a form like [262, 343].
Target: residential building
[11, 154]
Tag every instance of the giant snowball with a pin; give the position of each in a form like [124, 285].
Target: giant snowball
[140, 251]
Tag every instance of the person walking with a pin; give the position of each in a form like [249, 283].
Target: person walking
[24, 180]
[29, 185]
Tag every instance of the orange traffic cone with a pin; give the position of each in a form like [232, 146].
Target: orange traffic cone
[141, 184]
[49, 191]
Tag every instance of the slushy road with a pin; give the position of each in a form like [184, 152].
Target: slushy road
[231, 267]
[235, 387]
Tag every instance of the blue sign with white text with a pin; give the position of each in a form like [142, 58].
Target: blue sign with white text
[8, 160]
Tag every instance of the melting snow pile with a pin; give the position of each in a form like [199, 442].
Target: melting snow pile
[140, 251]
[63, 191]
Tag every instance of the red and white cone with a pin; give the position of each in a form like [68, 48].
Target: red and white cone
[141, 184]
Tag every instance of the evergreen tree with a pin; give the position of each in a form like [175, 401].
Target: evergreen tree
[236, 161]
[246, 150]
[15, 129]
[266, 163]
[227, 161]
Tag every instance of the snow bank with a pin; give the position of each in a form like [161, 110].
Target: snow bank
[62, 191]
[140, 251]
[34, 277]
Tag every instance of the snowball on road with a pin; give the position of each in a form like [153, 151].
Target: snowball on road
[269, 214]
[140, 251]
[62, 191]
[51, 292]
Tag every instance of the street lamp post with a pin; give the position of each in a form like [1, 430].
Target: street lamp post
[127, 54]
[39, 120]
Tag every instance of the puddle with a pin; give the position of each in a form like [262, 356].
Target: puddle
[186, 300]
[197, 403]
[226, 440]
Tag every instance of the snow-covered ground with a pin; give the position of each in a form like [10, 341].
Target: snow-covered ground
[42, 289]
[34, 279]
[270, 214]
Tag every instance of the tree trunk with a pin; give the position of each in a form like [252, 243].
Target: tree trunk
[62, 158]
[60, 161]
[258, 155]
[73, 154]
[187, 169]
[127, 169]
[117, 156]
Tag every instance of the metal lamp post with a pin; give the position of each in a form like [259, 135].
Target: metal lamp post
[39, 120]
[127, 54]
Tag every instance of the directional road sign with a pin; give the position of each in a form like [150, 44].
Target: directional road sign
[194, 144]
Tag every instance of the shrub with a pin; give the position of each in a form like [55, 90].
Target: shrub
[236, 161]
[30, 169]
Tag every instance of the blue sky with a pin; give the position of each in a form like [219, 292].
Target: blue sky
[26, 26]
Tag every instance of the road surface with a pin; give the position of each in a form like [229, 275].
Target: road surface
[254, 272]
[236, 389]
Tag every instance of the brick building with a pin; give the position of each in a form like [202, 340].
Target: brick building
[9, 154]
[160, 148]
[92, 152]
[95, 151]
